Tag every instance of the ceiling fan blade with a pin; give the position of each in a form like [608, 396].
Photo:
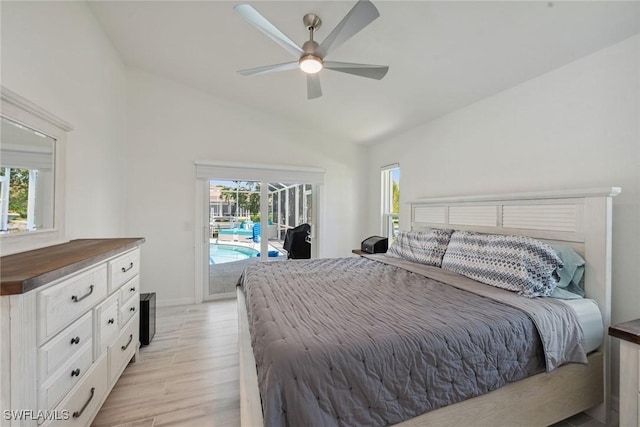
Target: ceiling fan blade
[261, 23]
[270, 68]
[313, 86]
[363, 70]
[361, 15]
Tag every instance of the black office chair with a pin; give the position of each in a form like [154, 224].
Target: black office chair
[297, 242]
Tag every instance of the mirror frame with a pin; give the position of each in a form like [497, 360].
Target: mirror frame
[20, 110]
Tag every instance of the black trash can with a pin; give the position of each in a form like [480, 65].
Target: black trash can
[147, 317]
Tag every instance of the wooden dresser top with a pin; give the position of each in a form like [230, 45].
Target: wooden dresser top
[628, 331]
[25, 271]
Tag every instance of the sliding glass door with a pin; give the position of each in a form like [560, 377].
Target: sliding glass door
[290, 205]
[253, 221]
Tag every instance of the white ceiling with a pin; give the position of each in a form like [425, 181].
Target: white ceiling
[442, 55]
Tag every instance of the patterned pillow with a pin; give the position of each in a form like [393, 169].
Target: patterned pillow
[424, 247]
[516, 263]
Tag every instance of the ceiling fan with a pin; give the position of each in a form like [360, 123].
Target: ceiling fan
[311, 56]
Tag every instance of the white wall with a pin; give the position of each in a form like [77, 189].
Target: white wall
[169, 126]
[575, 127]
[56, 55]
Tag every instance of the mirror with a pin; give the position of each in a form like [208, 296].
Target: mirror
[32, 159]
[26, 179]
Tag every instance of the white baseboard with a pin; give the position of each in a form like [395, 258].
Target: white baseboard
[615, 411]
[191, 300]
[226, 295]
[174, 301]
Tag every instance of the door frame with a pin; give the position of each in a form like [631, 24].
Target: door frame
[206, 171]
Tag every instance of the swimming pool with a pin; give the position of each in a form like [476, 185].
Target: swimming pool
[219, 254]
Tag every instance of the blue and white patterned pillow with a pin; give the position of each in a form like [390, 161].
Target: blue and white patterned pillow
[516, 263]
[424, 247]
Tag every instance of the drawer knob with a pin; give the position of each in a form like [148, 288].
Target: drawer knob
[125, 269]
[77, 414]
[75, 372]
[132, 289]
[132, 309]
[110, 321]
[75, 340]
[124, 347]
[76, 298]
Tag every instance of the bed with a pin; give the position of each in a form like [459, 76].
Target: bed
[529, 383]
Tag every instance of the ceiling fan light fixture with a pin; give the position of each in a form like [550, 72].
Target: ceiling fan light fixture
[310, 56]
[310, 64]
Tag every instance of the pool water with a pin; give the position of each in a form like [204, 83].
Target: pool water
[219, 254]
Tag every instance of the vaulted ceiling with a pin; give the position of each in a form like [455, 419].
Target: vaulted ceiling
[442, 55]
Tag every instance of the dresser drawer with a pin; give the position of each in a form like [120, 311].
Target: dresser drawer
[123, 349]
[61, 304]
[66, 377]
[129, 309]
[130, 289]
[85, 399]
[108, 323]
[64, 346]
[123, 269]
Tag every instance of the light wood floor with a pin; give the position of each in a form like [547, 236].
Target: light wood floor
[188, 375]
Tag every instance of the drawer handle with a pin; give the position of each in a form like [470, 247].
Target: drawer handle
[110, 321]
[132, 289]
[75, 298]
[125, 269]
[132, 308]
[77, 414]
[75, 372]
[124, 347]
[75, 340]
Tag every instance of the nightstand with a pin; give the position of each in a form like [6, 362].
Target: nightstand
[629, 335]
[359, 252]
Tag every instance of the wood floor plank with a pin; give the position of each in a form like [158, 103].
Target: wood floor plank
[187, 376]
[147, 422]
[225, 413]
[125, 395]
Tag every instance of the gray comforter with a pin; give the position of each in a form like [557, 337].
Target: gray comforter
[360, 342]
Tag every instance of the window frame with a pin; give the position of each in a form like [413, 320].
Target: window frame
[388, 217]
[24, 112]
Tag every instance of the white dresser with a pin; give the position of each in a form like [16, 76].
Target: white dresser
[69, 326]
[629, 334]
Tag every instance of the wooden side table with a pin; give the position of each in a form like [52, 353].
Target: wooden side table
[629, 335]
[359, 252]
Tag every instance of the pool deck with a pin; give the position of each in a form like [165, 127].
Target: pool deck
[224, 277]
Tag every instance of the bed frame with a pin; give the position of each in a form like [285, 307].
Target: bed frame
[578, 218]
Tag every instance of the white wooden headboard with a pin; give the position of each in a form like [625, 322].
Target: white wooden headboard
[579, 218]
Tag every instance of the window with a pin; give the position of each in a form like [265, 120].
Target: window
[390, 186]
